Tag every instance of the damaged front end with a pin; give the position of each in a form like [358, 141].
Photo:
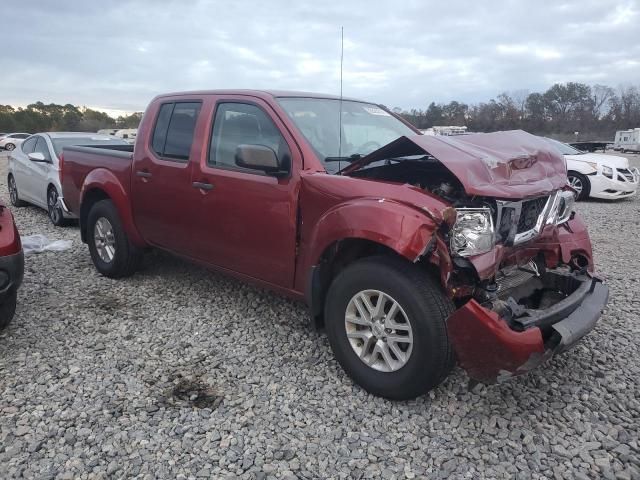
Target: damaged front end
[531, 316]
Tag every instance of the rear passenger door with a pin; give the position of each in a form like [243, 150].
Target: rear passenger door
[161, 177]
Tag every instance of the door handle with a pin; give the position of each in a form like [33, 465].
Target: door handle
[143, 174]
[202, 185]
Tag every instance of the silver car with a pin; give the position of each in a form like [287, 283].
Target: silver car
[34, 169]
[11, 140]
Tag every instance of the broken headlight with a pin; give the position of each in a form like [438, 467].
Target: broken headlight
[565, 200]
[473, 232]
[607, 171]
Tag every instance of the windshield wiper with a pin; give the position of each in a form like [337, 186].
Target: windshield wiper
[350, 158]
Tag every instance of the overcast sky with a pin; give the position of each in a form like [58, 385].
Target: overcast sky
[117, 55]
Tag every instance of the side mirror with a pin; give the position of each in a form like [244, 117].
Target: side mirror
[38, 157]
[259, 157]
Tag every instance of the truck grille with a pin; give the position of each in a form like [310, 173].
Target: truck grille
[531, 210]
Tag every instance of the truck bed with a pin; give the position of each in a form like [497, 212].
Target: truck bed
[99, 161]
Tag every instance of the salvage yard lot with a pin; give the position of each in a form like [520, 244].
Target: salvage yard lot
[179, 372]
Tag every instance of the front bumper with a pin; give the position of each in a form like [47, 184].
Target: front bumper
[610, 189]
[11, 273]
[494, 347]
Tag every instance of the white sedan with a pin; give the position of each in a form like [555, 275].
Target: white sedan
[34, 169]
[12, 140]
[597, 175]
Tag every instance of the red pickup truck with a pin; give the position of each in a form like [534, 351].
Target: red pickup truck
[411, 251]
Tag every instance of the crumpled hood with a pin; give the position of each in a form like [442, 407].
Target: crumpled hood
[510, 165]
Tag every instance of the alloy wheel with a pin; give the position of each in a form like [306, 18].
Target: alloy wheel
[378, 330]
[576, 184]
[104, 239]
[13, 191]
[52, 204]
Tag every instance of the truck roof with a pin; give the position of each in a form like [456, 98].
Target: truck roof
[264, 94]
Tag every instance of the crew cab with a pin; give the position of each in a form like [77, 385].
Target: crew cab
[411, 251]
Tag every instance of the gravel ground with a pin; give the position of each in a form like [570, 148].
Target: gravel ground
[178, 372]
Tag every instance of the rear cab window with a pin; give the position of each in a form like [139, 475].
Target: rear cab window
[174, 130]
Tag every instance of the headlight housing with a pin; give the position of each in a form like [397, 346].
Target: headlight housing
[566, 201]
[607, 171]
[473, 232]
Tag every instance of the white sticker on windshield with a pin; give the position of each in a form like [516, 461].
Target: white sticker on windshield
[376, 111]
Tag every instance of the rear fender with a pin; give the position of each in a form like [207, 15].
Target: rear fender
[105, 181]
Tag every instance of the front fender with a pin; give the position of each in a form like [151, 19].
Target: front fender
[107, 182]
[400, 227]
[580, 167]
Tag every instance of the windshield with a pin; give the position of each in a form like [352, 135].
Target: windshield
[564, 148]
[60, 143]
[365, 128]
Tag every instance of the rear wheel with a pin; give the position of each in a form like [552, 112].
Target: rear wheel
[112, 253]
[54, 210]
[385, 320]
[13, 192]
[9, 146]
[580, 183]
[8, 308]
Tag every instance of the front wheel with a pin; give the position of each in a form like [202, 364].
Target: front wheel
[386, 322]
[112, 253]
[53, 209]
[9, 147]
[8, 309]
[580, 183]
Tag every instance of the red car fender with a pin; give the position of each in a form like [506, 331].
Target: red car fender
[402, 228]
[10, 243]
[104, 180]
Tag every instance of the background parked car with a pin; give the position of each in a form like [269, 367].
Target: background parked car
[34, 169]
[11, 140]
[597, 175]
[11, 266]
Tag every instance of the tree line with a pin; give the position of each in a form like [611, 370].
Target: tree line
[39, 117]
[596, 112]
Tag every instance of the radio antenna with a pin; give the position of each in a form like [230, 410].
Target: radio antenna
[340, 117]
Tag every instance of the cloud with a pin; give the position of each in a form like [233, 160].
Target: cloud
[118, 55]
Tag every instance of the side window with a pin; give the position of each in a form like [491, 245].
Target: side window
[42, 147]
[244, 124]
[29, 145]
[23, 135]
[173, 133]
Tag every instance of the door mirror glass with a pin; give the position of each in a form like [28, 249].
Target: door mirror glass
[38, 157]
[257, 157]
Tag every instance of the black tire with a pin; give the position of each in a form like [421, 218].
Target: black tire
[9, 147]
[427, 309]
[13, 192]
[584, 181]
[126, 256]
[8, 309]
[53, 209]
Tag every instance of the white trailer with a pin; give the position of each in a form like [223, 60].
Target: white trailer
[627, 140]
